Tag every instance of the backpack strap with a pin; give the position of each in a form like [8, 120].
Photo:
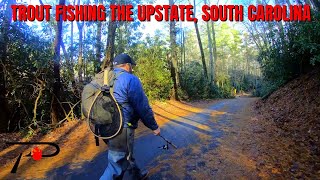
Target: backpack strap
[111, 82]
[106, 77]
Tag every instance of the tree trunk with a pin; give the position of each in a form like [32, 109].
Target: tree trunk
[173, 58]
[211, 54]
[65, 54]
[56, 70]
[200, 43]
[98, 47]
[112, 27]
[281, 32]
[180, 63]
[70, 66]
[80, 61]
[84, 59]
[184, 52]
[246, 65]
[4, 107]
[316, 3]
[214, 51]
[288, 2]
[210, 50]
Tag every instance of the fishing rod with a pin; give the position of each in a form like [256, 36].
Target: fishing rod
[167, 145]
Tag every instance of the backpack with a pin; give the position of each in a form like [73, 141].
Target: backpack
[99, 107]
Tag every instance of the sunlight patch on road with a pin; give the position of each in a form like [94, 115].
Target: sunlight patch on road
[185, 106]
[164, 116]
[217, 113]
[181, 113]
[203, 127]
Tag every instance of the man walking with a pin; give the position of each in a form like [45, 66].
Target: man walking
[134, 105]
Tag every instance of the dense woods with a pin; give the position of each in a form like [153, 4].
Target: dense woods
[44, 65]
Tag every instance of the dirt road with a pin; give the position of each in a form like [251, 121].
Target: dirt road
[209, 146]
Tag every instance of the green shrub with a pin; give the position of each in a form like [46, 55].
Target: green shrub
[155, 77]
[196, 86]
[297, 52]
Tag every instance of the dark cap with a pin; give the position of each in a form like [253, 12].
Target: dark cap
[123, 59]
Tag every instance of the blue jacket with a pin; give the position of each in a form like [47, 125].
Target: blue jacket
[134, 103]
